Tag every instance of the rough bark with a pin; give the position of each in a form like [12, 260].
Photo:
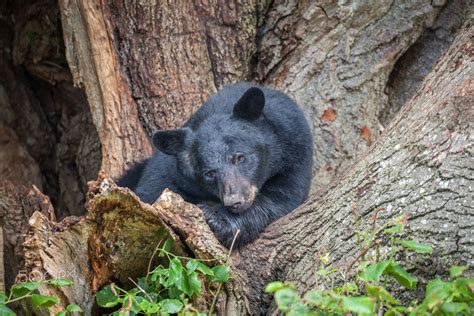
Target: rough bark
[94, 65]
[418, 61]
[174, 56]
[17, 204]
[334, 58]
[421, 166]
[46, 128]
[114, 243]
[160, 62]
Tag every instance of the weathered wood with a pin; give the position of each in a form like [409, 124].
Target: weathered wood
[115, 242]
[47, 135]
[335, 59]
[17, 204]
[421, 166]
[94, 65]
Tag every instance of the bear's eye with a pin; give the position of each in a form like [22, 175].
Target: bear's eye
[210, 173]
[239, 157]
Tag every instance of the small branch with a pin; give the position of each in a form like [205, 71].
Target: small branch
[140, 288]
[220, 285]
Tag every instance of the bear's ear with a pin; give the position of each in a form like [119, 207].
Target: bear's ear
[171, 142]
[250, 105]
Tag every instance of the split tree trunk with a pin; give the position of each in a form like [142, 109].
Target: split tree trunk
[421, 166]
[149, 66]
[156, 63]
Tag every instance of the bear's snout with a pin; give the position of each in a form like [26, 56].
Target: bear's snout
[236, 192]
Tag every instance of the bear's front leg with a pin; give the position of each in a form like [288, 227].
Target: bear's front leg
[223, 228]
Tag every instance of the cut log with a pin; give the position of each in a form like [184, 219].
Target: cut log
[114, 243]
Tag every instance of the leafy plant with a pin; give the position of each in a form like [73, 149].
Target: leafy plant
[166, 289]
[29, 290]
[363, 284]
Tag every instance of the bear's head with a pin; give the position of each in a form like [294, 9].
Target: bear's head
[228, 156]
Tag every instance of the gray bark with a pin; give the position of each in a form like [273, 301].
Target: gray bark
[421, 166]
[335, 58]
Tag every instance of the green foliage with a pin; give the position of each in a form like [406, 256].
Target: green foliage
[165, 289]
[28, 290]
[363, 285]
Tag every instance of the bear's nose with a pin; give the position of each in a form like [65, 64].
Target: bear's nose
[233, 201]
[236, 205]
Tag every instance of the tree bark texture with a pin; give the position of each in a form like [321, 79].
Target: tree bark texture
[46, 133]
[333, 57]
[17, 204]
[421, 166]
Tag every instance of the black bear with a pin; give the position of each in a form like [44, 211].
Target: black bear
[245, 158]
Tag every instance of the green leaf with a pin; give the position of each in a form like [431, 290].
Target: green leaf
[455, 308]
[23, 289]
[167, 246]
[415, 246]
[465, 289]
[171, 306]
[61, 313]
[175, 271]
[274, 286]
[60, 282]
[285, 298]
[5, 311]
[221, 274]
[456, 271]
[326, 271]
[174, 292]
[437, 292]
[194, 283]
[319, 298]
[373, 272]
[381, 293]
[401, 275]
[350, 287]
[150, 308]
[73, 308]
[299, 309]
[191, 265]
[204, 269]
[359, 305]
[324, 259]
[44, 301]
[394, 229]
[397, 311]
[106, 297]
[3, 298]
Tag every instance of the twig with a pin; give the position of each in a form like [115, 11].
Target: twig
[140, 288]
[153, 256]
[214, 300]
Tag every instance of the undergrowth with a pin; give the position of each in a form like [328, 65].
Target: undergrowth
[363, 287]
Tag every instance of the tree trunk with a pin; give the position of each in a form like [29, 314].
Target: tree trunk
[165, 60]
[147, 66]
[420, 167]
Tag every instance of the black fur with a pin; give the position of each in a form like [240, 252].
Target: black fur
[242, 138]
